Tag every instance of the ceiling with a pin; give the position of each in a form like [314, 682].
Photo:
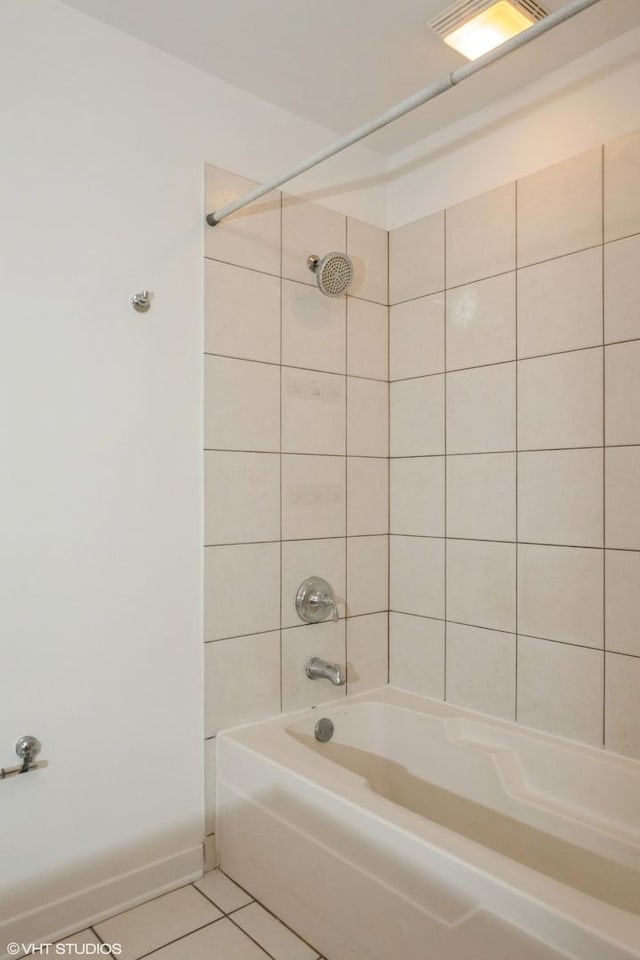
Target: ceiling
[342, 62]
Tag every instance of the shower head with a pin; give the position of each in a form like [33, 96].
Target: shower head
[333, 273]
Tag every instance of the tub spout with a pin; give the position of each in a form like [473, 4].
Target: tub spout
[318, 669]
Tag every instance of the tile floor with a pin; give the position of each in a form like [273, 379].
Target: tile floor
[211, 919]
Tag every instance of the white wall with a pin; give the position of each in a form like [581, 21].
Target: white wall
[591, 100]
[101, 167]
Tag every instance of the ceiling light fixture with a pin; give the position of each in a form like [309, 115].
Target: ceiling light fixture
[474, 27]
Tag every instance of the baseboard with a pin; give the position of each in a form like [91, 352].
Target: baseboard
[73, 913]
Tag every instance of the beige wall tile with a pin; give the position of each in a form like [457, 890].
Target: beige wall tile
[367, 652]
[622, 486]
[481, 496]
[368, 247]
[481, 583]
[313, 497]
[560, 689]
[242, 680]
[313, 412]
[481, 670]
[314, 329]
[367, 496]
[481, 322]
[481, 409]
[622, 290]
[560, 497]
[417, 576]
[417, 496]
[312, 558]
[481, 236]
[560, 208]
[416, 259]
[230, 609]
[367, 339]
[325, 640]
[622, 717]
[622, 397]
[367, 574]
[241, 497]
[309, 229]
[250, 237]
[417, 417]
[242, 312]
[560, 401]
[241, 405]
[622, 603]
[416, 654]
[621, 176]
[416, 337]
[560, 304]
[560, 594]
[367, 418]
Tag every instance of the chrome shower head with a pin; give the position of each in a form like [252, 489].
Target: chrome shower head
[334, 273]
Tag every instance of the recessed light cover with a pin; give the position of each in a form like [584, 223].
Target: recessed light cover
[477, 26]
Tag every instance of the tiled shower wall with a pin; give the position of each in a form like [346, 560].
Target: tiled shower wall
[296, 457]
[515, 446]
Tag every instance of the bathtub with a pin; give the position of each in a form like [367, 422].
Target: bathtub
[423, 831]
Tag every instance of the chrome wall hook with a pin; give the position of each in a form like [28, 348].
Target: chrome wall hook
[27, 749]
[141, 301]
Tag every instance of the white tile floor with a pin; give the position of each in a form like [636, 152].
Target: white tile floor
[212, 919]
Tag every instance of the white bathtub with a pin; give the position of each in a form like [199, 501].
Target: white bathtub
[426, 832]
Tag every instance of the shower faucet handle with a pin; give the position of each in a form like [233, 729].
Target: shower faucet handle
[315, 601]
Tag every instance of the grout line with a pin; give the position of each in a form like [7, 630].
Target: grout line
[93, 931]
[444, 464]
[502, 363]
[280, 276]
[418, 456]
[495, 453]
[229, 917]
[389, 491]
[516, 610]
[270, 912]
[293, 366]
[281, 460]
[179, 939]
[293, 626]
[530, 636]
[524, 266]
[524, 543]
[295, 453]
[347, 441]
[604, 482]
[257, 543]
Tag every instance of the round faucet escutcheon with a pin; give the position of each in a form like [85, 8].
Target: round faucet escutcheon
[316, 601]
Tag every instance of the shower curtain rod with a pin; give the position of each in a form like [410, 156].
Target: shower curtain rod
[406, 106]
